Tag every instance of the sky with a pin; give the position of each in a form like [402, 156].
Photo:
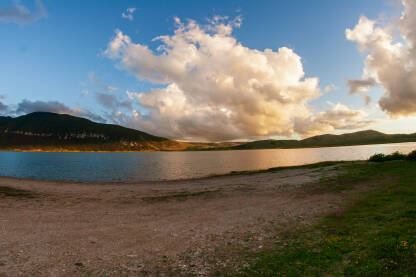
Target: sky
[214, 70]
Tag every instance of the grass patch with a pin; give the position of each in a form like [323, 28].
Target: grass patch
[18, 193]
[375, 236]
[181, 196]
[351, 176]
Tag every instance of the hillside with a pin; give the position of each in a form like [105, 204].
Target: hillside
[60, 132]
[42, 131]
[357, 138]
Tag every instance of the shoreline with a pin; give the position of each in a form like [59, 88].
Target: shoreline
[194, 150]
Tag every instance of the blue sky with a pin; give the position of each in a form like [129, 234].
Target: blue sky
[54, 57]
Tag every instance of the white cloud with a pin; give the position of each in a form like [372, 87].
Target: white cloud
[391, 62]
[110, 101]
[131, 10]
[99, 84]
[330, 88]
[339, 117]
[110, 88]
[104, 95]
[20, 14]
[128, 14]
[131, 94]
[27, 106]
[218, 89]
[361, 87]
[3, 107]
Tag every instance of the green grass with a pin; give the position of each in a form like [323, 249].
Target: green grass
[374, 236]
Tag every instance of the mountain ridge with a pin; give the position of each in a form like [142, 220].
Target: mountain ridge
[43, 131]
[327, 140]
[46, 131]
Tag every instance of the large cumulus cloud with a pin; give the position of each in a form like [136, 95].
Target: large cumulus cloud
[217, 89]
[338, 117]
[391, 61]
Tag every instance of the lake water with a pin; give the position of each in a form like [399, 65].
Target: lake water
[149, 166]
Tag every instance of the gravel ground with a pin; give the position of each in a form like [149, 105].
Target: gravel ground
[186, 227]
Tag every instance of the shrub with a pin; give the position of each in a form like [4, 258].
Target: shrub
[411, 156]
[377, 158]
[391, 157]
[395, 156]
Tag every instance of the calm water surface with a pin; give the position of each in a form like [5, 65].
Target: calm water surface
[173, 165]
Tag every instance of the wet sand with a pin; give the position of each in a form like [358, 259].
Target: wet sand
[195, 226]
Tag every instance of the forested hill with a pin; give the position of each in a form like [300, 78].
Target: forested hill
[45, 131]
[357, 138]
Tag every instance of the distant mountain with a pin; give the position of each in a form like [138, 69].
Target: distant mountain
[61, 132]
[42, 131]
[357, 138]
[201, 146]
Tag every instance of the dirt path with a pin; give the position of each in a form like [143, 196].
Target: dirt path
[197, 226]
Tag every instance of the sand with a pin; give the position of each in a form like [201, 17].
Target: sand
[153, 228]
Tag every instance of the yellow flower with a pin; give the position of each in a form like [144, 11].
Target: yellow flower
[404, 244]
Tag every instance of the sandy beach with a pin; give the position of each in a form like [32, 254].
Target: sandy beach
[199, 227]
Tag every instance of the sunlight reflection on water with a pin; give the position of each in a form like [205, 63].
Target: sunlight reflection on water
[173, 165]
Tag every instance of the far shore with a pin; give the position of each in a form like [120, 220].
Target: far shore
[190, 149]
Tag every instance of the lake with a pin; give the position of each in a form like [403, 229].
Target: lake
[151, 166]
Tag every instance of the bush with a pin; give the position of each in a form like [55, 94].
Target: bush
[411, 156]
[391, 157]
[377, 158]
[395, 156]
